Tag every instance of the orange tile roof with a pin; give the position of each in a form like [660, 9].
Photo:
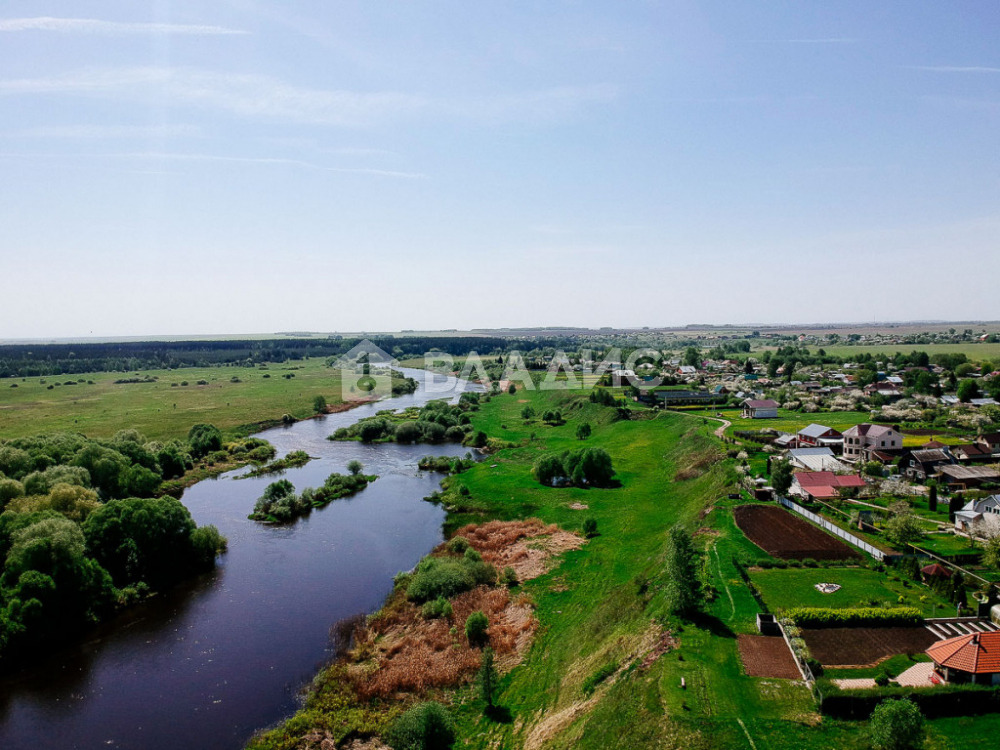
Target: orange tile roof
[978, 653]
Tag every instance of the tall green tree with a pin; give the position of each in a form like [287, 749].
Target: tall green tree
[680, 572]
[488, 678]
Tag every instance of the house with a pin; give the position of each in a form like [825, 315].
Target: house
[863, 440]
[785, 440]
[971, 658]
[823, 485]
[970, 453]
[759, 409]
[816, 459]
[965, 477]
[923, 464]
[974, 511]
[817, 435]
[989, 442]
[687, 371]
[680, 398]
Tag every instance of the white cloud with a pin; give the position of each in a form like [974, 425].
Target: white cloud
[259, 96]
[95, 26]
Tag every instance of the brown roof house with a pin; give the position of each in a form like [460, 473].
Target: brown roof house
[760, 409]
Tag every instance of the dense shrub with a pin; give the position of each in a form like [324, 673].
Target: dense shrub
[427, 726]
[476, 626]
[872, 617]
[436, 608]
[588, 467]
[447, 576]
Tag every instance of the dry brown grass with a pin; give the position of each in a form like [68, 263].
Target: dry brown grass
[526, 546]
[399, 651]
[697, 465]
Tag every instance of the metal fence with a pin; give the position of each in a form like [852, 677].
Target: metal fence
[833, 528]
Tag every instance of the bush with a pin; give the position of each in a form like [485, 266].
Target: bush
[590, 528]
[458, 544]
[427, 726]
[509, 577]
[872, 617]
[897, 725]
[437, 576]
[475, 628]
[440, 607]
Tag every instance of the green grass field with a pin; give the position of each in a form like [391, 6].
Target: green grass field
[161, 410]
[860, 587]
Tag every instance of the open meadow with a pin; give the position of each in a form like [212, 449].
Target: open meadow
[165, 403]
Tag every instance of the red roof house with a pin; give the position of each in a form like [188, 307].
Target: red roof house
[937, 570]
[969, 658]
[823, 485]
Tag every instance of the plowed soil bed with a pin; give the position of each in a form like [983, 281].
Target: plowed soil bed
[767, 656]
[782, 534]
[864, 647]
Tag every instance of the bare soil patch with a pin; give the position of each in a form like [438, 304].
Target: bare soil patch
[767, 656]
[864, 647]
[578, 506]
[780, 533]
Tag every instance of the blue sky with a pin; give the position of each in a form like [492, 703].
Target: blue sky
[242, 166]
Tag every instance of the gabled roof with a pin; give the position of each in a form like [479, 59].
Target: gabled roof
[990, 437]
[930, 455]
[816, 430]
[761, 404]
[976, 653]
[971, 450]
[937, 569]
[862, 430]
[933, 444]
[808, 479]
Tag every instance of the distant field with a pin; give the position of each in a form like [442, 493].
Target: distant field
[975, 352]
[160, 410]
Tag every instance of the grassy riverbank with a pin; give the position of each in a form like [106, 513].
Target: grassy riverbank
[605, 669]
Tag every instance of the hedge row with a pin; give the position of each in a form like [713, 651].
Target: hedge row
[872, 617]
[944, 700]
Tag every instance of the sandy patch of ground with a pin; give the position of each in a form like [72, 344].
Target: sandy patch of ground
[578, 506]
[555, 723]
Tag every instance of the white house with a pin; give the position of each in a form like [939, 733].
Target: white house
[862, 440]
[977, 512]
[760, 409]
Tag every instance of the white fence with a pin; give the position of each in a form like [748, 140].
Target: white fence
[833, 528]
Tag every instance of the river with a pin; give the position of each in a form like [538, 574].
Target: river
[208, 663]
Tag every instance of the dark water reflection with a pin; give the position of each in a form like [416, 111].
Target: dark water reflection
[208, 663]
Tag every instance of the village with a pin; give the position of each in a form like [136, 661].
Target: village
[873, 492]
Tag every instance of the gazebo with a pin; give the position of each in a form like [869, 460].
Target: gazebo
[971, 658]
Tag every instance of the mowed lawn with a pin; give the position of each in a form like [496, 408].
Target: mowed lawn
[164, 409]
[784, 589]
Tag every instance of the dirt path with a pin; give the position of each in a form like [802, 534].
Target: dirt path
[726, 424]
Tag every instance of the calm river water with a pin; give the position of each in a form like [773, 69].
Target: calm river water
[207, 664]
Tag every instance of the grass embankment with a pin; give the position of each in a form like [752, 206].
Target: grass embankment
[237, 400]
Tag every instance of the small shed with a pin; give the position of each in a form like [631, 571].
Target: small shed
[936, 570]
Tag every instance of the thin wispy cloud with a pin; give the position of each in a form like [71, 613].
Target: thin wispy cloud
[953, 68]
[96, 26]
[170, 156]
[809, 40]
[95, 132]
[257, 96]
